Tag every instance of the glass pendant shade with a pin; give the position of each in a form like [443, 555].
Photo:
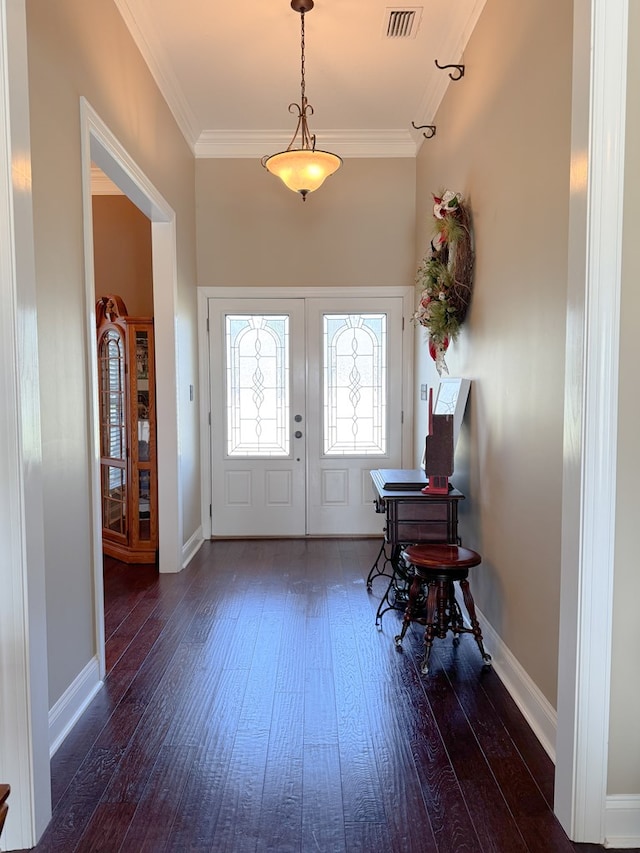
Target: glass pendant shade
[303, 170]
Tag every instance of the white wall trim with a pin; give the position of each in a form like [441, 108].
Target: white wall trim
[191, 547]
[590, 416]
[72, 704]
[622, 822]
[533, 704]
[621, 812]
[154, 55]
[99, 145]
[247, 144]
[205, 293]
[24, 747]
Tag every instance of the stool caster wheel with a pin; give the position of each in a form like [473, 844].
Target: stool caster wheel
[398, 641]
[368, 586]
[486, 658]
[424, 667]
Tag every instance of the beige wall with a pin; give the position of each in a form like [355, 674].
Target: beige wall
[503, 141]
[122, 253]
[624, 735]
[84, 49]
[358, 229]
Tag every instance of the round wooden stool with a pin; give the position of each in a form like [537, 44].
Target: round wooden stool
[436, 567]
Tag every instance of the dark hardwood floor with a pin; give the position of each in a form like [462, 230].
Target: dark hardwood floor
[251, 705]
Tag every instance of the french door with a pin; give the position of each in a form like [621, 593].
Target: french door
[306, 398]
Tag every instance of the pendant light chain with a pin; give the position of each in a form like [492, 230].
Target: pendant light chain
[308, 139]
[302, 85]
[301, 167]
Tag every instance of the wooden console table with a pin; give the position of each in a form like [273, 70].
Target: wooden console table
[411, 518]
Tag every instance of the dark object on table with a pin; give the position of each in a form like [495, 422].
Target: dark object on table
[438, 455]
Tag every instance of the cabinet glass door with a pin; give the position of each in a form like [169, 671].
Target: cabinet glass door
[113, 450]
[143, 438]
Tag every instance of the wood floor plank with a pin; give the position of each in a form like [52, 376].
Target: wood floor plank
[404, 803]
[452, 825]
[108, 826]
[197, 818]
[320, 721]
[535, 821]
[362, 792]
[69, 757]
[291, 654]
[280, 821]
[80, 800]
[322, 815]
[153, 819]
[128, 627]
[241, 802]
[365, 837]
[151, 732]
[493, 822]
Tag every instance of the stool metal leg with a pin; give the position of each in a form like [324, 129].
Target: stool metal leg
[414, 592]
[435, 592]
[475, 625]
[455, 614]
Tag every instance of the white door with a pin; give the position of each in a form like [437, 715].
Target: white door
[306, 398]
[257, 370]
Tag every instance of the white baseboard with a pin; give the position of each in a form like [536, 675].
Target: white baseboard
[67, 710]
[622, 812]
[622, 822]
[534, 706]
[191, 547]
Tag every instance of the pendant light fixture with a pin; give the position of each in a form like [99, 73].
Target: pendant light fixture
[305, 168]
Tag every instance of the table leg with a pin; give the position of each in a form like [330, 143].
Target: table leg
[375, 571]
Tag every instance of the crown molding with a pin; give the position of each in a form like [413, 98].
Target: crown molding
[248, 144]
[159, 67]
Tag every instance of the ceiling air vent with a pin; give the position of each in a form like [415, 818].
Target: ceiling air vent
[402, 23]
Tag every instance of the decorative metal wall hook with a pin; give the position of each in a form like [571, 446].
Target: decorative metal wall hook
[459, 69]
[430, 127]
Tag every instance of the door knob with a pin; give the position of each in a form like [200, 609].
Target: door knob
[298, 434]
[298, 418]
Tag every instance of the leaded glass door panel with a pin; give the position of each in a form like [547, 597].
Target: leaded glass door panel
[257, 417]
[355, 415]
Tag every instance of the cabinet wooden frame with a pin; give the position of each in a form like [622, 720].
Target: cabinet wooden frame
[127, 422]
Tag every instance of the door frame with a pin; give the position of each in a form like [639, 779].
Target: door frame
[595, 250]
[205, 293]
[100, 146]
[24, 698]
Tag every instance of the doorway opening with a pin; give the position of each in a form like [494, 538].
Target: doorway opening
[101, 148]
[304, 391]
[126, 374]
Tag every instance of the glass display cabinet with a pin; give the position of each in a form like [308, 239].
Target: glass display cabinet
[128, 470]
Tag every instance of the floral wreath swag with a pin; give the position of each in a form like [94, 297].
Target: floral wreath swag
[445, 276]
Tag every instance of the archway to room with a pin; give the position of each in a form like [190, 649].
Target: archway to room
[123, 279]
[103, 150]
